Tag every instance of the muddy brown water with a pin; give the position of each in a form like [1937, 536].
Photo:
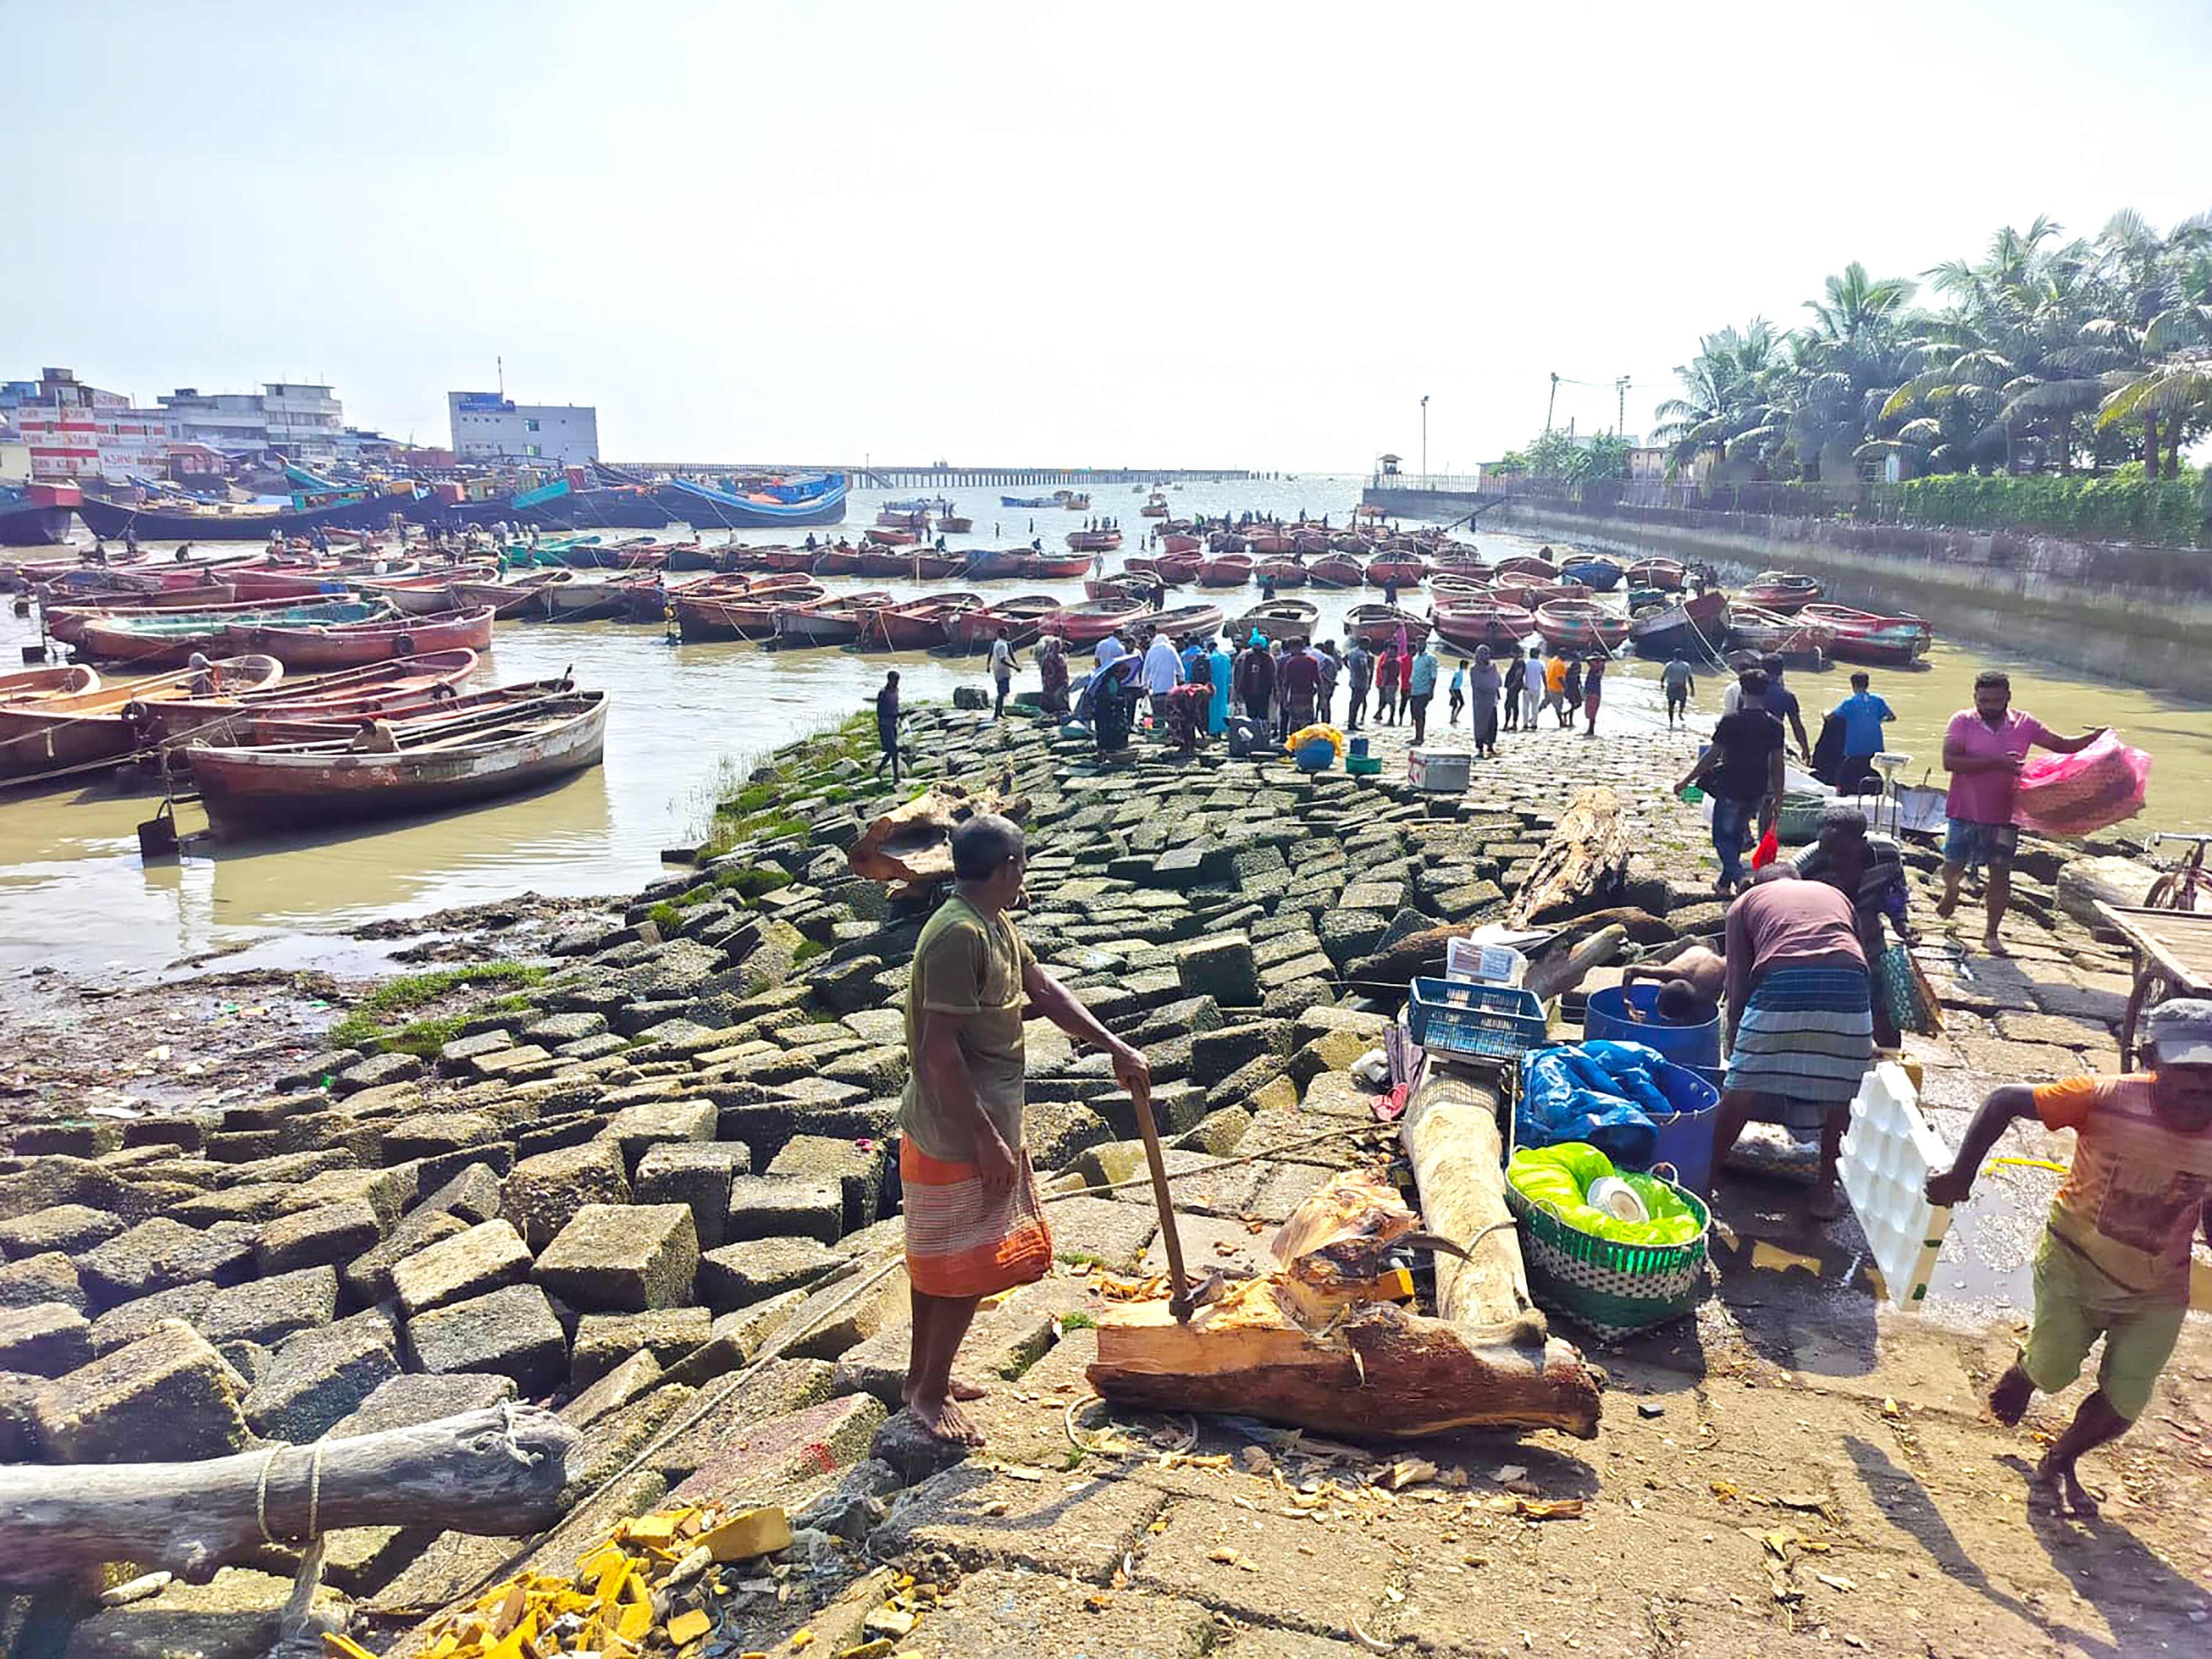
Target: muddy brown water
[685, 721]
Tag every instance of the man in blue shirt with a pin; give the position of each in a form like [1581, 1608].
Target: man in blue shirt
[1862, 714]
[1420, 686]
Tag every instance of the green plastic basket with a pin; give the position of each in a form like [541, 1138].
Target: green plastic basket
[1611, 1290]
[1799, 819]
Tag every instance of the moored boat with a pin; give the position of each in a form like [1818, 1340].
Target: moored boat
[1578, 625]
[1288, 572]
[1177, 541]
[921, 624]
[595, 598]
[1665, 574]
[101, 724]
[66, 621]
[1279, 619]
[1780, 590]
[432, 765]
[1181, 621]
[1520, 588]
[1094, 541]
[27, 685]
[750, 615]
[877, 536]
[1799, 641]
[818, 498]
[1052, 566]
[419, 595]
[1594, 571]
[344, 644]
[984, 564]
[346, 694]
[1468, 623]
[900, 515]
[1225, 570]
[1376, 625]
[36, 514]
[279, 722]
[1094, 619]
[1527, 564]
[1895, 641]
[168, 639]
[839, 619]
[1023, 618]
[1133, 584]
[1266, 540]
[922, 564]
[1388, 567]
[1173, 568]
[1696, 626]
[1336, 570]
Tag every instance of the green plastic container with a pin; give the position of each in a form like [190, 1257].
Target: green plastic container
[1612, 1290]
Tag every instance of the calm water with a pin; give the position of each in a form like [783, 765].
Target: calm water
[75, 893]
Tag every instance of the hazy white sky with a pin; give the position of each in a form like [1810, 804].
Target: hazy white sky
[1191, 234]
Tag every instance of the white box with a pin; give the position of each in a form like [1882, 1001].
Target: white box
[1439, 771]
[1889, 1151]
[1490, 964]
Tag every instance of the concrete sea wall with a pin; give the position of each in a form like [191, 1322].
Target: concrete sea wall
[2138, 615]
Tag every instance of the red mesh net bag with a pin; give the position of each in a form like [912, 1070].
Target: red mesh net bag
[2080, 795]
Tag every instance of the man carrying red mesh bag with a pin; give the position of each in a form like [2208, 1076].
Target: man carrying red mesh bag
[2080, 795]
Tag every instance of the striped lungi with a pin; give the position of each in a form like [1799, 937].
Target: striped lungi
[964, 1240]
[1806, 1036]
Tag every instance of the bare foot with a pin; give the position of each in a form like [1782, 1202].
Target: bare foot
[2078, 1500]
[2008, 1399]
[946, 1421]
[1945, 906]
[959, 1390]
[1993, 945]
[1827, 1203]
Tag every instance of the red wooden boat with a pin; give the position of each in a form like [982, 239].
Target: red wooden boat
[840, 619]
[1800, 642]
[520, 592]
[277, 723]
[1664, 574]
[918, 624]
[372, 688]
[1173, 568]
[1094, 541]
[1351, 542]
[1268, 540]
[1279, 619]
[1129, 584]
[1520, 588]
[1388, 567]
[923, 564]
[28, 685]
[1225, 570]
[1308, 541]
[874, 536]
[1336, 570]
[345, 645]
[73, 728]
[1225, 541]
[66, 622]
[1485, 622]
[1052, 567]
[1527, 564]
[1182, 620]
[420, 595]
[1696, 626]
[1376, 625]
[1780, 590]
[1579, 624]
[314, 581]
[915, 519]
[1285, 572]
[1895, 641]
[1093, 620]
[791, 560]
[750, 615]
[1180, 541]
[1023, 618]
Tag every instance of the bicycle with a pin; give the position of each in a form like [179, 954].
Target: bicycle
[2181, 888]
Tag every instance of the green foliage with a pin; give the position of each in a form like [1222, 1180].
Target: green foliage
[362, 1029]
[2091, 509]
[807, 951]
[666, 917]
[1571, 460]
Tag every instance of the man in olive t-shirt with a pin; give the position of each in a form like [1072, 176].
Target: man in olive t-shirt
[974, 1226]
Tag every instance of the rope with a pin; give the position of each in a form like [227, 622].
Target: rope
[314, 1491]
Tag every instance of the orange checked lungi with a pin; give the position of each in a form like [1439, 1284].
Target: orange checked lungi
[963, 1239]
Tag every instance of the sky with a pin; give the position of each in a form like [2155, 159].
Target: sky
[1195, 234]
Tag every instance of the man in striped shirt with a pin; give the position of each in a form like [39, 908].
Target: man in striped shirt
[2114, 1256]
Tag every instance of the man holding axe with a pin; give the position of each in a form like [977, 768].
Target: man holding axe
[974, 1226]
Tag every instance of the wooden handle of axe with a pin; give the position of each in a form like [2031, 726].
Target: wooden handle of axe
[1179, 1302]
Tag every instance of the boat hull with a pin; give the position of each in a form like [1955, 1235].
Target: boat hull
[249, 791]
[111, 520]
[357, 645]
[1697, 628]
[702, 506]
[34, 523]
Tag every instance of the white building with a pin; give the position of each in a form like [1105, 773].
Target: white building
[490, 428]
[302, 421]
[78, 431]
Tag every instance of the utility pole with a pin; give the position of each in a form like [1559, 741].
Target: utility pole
[1621, 412]
[1550, 401]
[1424, 439]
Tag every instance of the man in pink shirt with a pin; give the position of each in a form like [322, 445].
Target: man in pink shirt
[1983, 749]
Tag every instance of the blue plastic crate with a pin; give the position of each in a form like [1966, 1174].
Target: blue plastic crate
[1491, 1022]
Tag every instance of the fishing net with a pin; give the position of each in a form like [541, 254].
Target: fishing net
[2080, 795]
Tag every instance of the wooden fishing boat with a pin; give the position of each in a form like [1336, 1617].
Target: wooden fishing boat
[1308, 541]
[1225, 541]
[838, 620]
[1594, 571]
[1283, 572]
[875, 536]
[1094, 619]
[1520, 589]
[1180, 541]
[748, 615]
[1447, 585]
[1377, 625]
[1799, 641]
[1094, 541]
[275, 723]
[1156, 507]
[348, 692]
[1696, 626]
[1483, 622]
[1173, 568]
[923, 564]
[1225, 570]
[1266, 540]
[986, 564]
[1387, 567]
[1073, 502]
[29, 685]
[921, 624]
[1336, 570]
[1182, 620]
[1527, 564]
[66, 621]
[1350, 542]
[1780, 590]
[597, 596]
[425, 591]
[638, 553]
[1579, 625]
[1666, 574]
[344, 644]
[900, 517]
[168, 639]
[791, 560]
[519, 592]
[434, 766]
[1052, 567]
[1279, 619]
[102, 724]
[952, 524]
[1895, 641]
[273, 584]
[1130, 583]
[1024, 619]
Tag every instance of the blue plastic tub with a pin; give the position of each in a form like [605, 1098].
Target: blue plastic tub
[1315, 755]
[1606, 1015]
[1685, 1140]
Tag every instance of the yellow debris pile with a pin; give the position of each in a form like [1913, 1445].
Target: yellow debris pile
[653, 1586]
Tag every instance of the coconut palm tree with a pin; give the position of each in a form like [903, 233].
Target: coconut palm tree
[1726, 408]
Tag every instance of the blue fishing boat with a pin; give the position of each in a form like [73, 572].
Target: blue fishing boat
[989, 563]
[818, 498]
[1593, 570]
[35, 515]
[1032, 500]
[175, 517]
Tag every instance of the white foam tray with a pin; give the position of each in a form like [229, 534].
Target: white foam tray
[1889, 1151]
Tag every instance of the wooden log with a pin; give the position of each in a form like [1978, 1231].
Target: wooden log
[499, 1472]
[1379, 1372]
[1586, 857]
[1449, 1130]
[1558, 971]
[913, 843]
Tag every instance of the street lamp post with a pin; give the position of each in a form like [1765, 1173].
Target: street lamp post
[1424, 441]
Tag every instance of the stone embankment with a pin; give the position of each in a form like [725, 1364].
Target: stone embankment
[664, 1167]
